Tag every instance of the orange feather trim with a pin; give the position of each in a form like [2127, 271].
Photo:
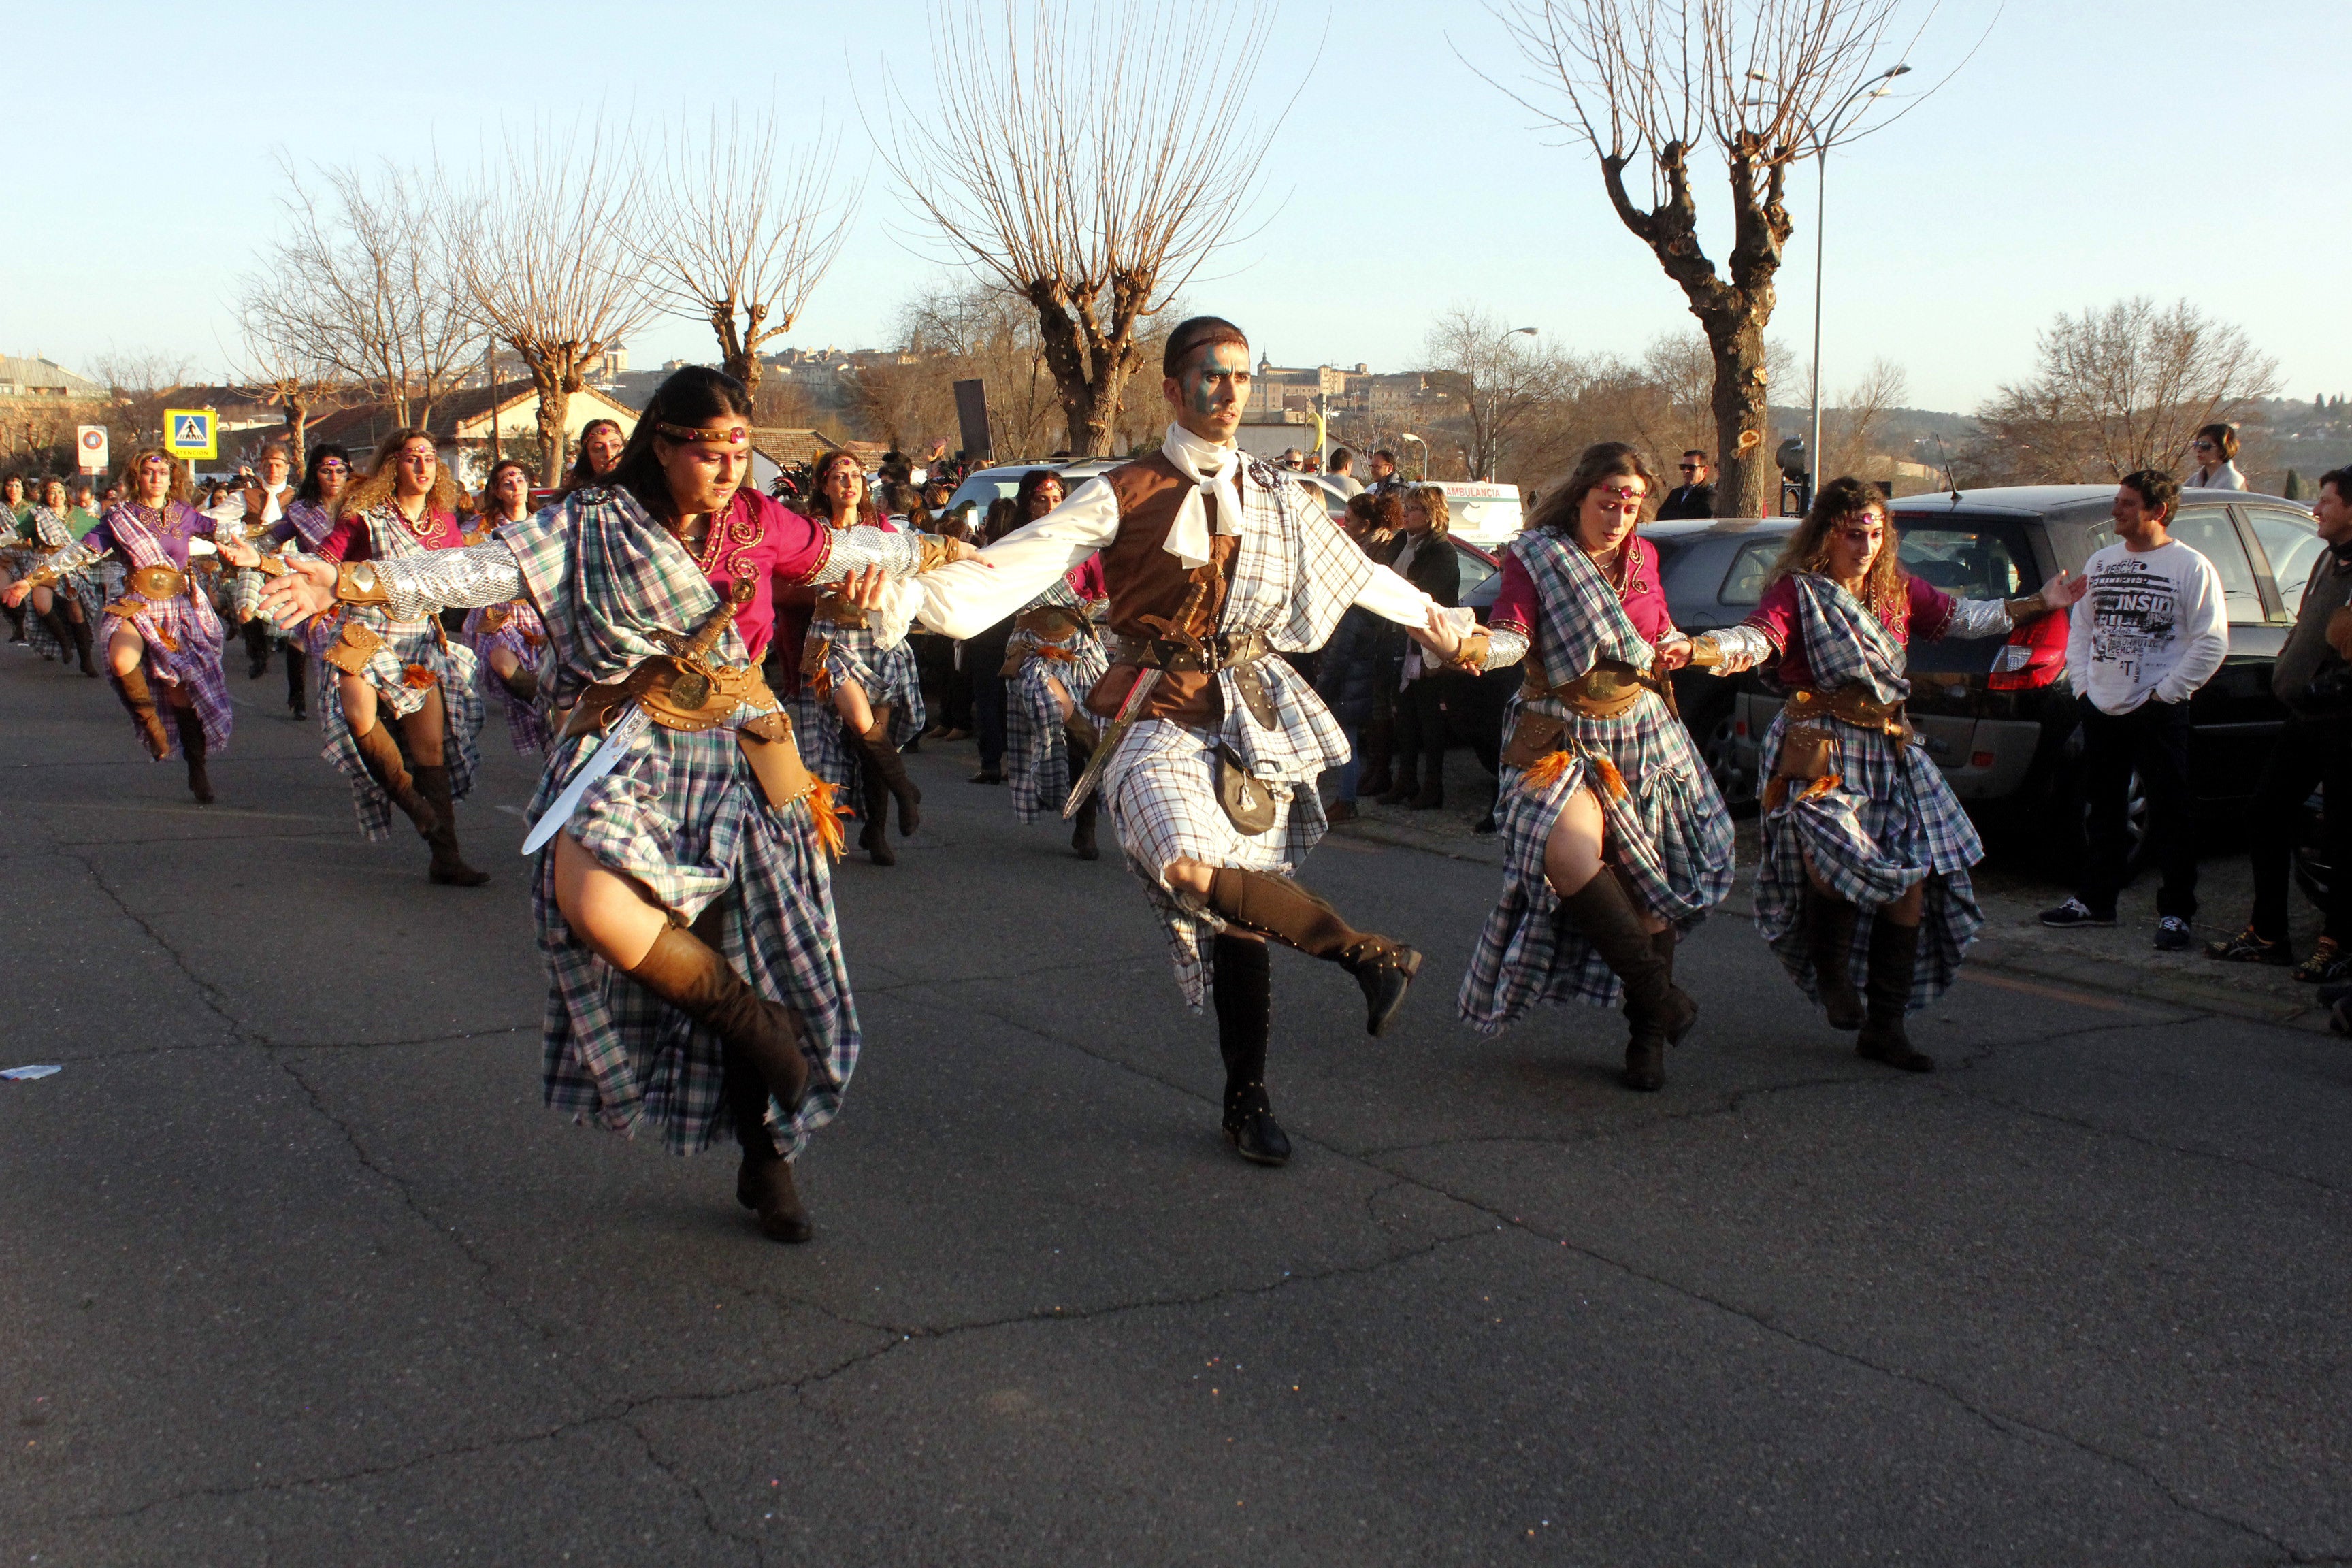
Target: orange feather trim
[1546, 773]
[827, 817]
[417, 675]
[1610, 779]
[1821, 787]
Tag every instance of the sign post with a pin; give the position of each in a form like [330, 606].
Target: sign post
[89, 446]
[192, 432]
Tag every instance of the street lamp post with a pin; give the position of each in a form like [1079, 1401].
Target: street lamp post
[1875, 87]
[1409, 436]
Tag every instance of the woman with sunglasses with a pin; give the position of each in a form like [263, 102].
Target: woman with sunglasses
[162, 639]
[861, 692]
[1857, 820]
[2216, 451]
[684, 907]
[1615, 840]
[396, 671]
[506, 638]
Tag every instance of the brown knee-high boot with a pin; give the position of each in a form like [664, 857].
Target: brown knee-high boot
[693, 977]
[880, 753]
[1278, 907]
[522, 684]
[1829, 932]
[380, 754]
[192, 748]
[763, 1183]
[1658, 1012]
[1894, 960]
[133, 688]
[448, 869]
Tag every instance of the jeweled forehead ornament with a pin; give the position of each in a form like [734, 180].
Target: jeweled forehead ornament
[733, 436]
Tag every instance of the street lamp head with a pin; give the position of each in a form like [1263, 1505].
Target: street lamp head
[1528, 331]
[1898, 70]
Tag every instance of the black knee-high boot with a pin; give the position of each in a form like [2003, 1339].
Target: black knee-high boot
[296, 703]
[1241, 977]
[1272, 905]
[192, 751]
[1658, 1012]
[81, 644]
[15, 613]
[1829, 931]
[256, 648]
[1081, 822]
[1894, 960]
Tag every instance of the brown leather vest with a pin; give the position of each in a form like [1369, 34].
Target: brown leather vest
[1145, 580]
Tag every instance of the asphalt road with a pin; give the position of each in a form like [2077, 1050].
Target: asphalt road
[298, 1270]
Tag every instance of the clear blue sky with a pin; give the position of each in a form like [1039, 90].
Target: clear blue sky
[2094, 149]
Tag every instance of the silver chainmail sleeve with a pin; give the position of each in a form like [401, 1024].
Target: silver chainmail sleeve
[1743, 647]
[1978, 618]
[1505, 648]
[855, 549]
[417, 585]
[51, 567]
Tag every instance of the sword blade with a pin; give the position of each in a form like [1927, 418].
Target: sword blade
[610, 748]
[1145, 679]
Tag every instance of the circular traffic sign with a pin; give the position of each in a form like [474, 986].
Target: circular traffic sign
[92, 440]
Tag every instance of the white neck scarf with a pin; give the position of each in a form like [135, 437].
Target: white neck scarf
[1214, 470]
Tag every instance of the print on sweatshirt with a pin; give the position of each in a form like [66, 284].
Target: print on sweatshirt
[2135, 614]
[2153, 624]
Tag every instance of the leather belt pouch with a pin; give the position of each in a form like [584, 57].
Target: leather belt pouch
[1248, 801]
[776, 763]
[1807, 752]
[1534, 737]
[352, 647]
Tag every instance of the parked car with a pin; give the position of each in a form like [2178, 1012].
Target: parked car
[1996, 713]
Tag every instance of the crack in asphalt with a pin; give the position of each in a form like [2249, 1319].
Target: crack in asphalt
[214, 999]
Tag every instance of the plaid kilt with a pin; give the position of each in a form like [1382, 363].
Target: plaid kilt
[1161, 789]
[84, 589]
[515, 632]
[854, 657]
[182, 638]
[1892, 823]
[1037, 748]
[406, 644]
[684, 816]
[1670, 840]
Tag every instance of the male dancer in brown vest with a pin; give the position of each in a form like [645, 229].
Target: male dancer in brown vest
[1212, 746]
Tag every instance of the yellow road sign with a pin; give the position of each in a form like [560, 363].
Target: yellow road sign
[192, 432]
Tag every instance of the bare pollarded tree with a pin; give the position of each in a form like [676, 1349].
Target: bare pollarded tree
[1090, 158]
[1507, 375]
[541, 240]
[733, 239]
[2118, 390]
[1656, 86]
[355, 283]
[278, 358]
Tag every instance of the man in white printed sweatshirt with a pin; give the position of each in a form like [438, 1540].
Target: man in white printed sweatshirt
[2151, 628]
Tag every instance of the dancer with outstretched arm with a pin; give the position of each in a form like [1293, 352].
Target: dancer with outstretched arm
[1213, 563]
[685, 905]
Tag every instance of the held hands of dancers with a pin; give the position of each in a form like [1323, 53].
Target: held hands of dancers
[306, 588]
[1440, 633]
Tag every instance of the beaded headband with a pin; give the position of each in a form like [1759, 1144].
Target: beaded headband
[736, 436]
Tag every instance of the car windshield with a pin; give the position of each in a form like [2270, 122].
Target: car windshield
[1744, 584]
[1965, 563]
[986, 486]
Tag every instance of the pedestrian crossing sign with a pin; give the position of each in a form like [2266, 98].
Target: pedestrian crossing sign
[192, 432]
